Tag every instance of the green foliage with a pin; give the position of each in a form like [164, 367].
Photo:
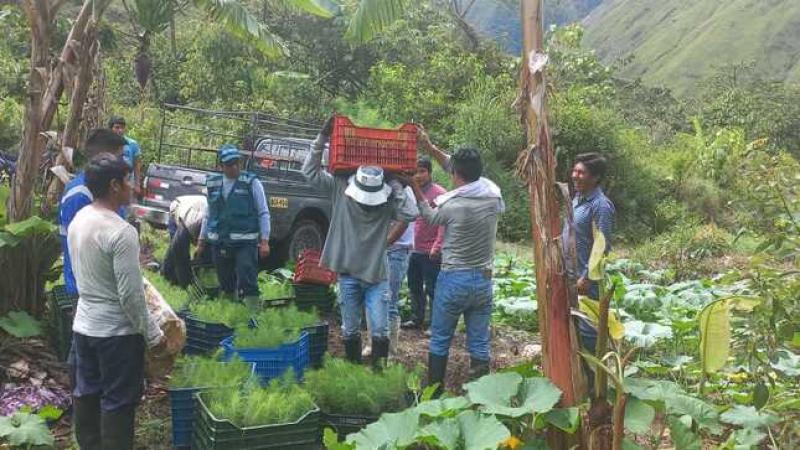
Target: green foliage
[196, 371]
[25, 430]
[272, 287]
[341, 387]
[176, 297]
[282, 402]
[20, 324]
[230, 314]
[275, 326]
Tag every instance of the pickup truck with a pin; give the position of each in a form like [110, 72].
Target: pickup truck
[273, 149]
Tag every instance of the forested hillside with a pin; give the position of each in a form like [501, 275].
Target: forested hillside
[679, 43]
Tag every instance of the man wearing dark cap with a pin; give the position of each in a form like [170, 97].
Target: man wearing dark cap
[237, 227]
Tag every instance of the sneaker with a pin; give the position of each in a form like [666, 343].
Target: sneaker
[409, 324]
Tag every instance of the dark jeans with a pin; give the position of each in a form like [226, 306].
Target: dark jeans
[112, 367]
[237, 269]
[176, 267]
[422, 274]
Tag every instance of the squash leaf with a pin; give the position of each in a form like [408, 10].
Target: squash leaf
[638, 416]
[25, 430]
[20, 324]
[748, 417]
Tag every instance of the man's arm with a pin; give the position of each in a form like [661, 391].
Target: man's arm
[312, 167]
[405, 210]
[604, 218]
[130, 288]
[260, 200]
[427, 146]
[396, 232]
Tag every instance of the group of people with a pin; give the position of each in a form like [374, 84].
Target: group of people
[384, 228]
[368, 246]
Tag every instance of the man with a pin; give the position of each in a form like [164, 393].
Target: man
[363, 208]
[426, 259]
[237, 227]
[112, 326]
[589, 206]
[186, 214]
[76, 195]
[399, 243]
[469, 214]
[132, 153]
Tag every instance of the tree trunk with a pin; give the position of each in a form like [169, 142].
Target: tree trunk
[560, 359]
[40, 19]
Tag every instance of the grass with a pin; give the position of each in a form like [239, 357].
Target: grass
[676, 43]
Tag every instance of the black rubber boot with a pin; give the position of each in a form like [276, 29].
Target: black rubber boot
[352, 348]
[380, 352]
[437, 368]
[478, 368]
[86, 419]
[117, 428]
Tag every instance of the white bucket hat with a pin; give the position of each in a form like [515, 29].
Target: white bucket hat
[367, 186]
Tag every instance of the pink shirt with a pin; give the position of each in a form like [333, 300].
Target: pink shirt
[426, 236]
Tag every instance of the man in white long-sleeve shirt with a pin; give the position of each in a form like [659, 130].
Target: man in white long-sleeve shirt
[112, 326]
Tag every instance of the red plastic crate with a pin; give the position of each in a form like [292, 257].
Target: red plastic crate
[352, 146]
[309, 271]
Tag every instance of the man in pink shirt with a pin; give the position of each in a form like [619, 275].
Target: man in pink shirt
[426, 259]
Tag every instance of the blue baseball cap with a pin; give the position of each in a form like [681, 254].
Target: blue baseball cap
[228, 153]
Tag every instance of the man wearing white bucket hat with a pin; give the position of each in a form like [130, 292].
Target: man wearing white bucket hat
[364, 206]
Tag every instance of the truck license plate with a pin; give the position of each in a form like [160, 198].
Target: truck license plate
[278, 202]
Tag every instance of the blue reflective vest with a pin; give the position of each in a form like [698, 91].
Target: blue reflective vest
[232, 221]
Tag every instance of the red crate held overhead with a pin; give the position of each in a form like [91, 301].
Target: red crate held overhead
[352, 146]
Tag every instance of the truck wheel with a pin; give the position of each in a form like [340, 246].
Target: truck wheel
[305, 234]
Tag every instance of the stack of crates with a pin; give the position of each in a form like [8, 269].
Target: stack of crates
[317, 343]
[203, 337]
[273, 362]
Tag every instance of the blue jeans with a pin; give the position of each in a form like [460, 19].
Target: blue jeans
[398, 268]
[422, 274]
[467, 292]
[354, 295]
[237, 269]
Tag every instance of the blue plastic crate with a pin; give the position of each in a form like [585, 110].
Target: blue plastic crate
[182, 403]
[204, 337]
[273, 362]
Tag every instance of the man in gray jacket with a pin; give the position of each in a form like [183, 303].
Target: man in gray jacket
[469, 215]
[364, 206]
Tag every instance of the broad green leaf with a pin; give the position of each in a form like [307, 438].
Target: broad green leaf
[534, 395]
[749, 437]
[50, 412]
[331, 441]
[715, 336]
[597, 257]
[592, 309]
[20, 324]
[393, 429]
[481, 432]
[535, 444]
[444, 434]
[748, 417]
[565, 419]
[760, 395]
[372, 16]
[788, 363]
[30, 226]
[646, 334]
[682, 436]
[703, 414]
[25, 430]
[244, 25]
[638, 416]
[495, 389]
[652, 390]
[448, 407]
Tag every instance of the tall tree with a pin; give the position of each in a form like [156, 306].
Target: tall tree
[537, 164]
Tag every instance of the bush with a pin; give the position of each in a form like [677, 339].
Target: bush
[10, 123]
[341, 387]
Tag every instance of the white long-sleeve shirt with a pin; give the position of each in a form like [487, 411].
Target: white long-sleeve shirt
[105, 259]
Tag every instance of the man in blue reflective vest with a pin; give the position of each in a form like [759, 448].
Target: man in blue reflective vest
[236, 227]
